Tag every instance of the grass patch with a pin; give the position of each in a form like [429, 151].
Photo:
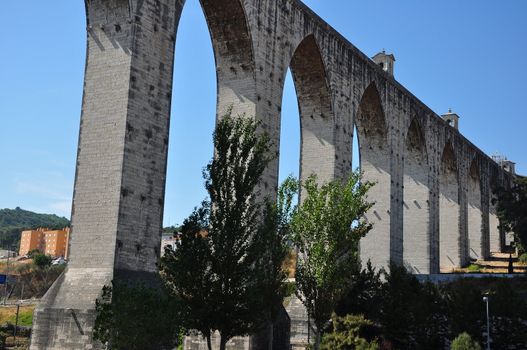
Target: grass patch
[25, 316]
[473, 268]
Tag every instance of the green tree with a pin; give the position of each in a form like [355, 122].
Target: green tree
[365, 294]
[507, 316]
[227, 270]
[465, 308]
[32, 253]
[431, 324]
[42, 260]
[348, 334]
[136, 318]
[464, 342]
[172, 229]
[326, 229]
[412, 314]
[511, 208]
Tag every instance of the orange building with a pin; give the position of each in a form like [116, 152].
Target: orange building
[31, 240]
[56, 243]
[49, 242]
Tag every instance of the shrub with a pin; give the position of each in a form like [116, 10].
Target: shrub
[348, 333]
[290, 288]
[523, 259]
[42, 260]
[34, 282]
[508, 311]
[473, 268]
[136, 317]
[412, 313]
[465, 308]
[33, 252]
[364, 296]
[464, 342]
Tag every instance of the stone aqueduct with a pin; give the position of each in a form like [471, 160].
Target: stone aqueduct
[433, 189]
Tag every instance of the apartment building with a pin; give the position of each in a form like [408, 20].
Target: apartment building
[31, 240]
[50, 242]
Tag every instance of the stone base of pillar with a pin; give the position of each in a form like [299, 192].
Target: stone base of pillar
[65, 316]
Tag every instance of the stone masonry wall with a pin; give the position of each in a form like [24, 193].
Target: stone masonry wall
[121, 163]
[416, 220]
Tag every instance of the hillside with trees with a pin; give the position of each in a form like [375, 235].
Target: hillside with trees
[13, 221]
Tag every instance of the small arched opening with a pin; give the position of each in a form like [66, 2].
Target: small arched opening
[317, 151]
[371, 134]
[213, 71]
[289, 163]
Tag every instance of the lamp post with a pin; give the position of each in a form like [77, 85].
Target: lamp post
[486, 300]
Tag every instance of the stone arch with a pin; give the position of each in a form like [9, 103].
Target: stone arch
[449, 211]
[416, 207]
[317, 151]
[230, 63]
[316, 123]
[371, 121]
[374, 154]
[234, 55]
[476, 237]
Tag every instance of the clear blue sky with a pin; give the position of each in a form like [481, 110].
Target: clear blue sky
[468, 55]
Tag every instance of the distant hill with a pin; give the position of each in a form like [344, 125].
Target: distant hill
[13, 221]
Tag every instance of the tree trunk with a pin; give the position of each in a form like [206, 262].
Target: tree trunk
[209, 344]
[263, 339]
[223, 342]
[271, 337]
[318, 339]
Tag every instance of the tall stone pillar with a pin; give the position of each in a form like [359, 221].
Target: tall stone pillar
[121, 163]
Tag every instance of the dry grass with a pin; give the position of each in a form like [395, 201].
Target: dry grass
[25, 316]
[498, 263]
[21, 343]
[289, 264]
[14, 266]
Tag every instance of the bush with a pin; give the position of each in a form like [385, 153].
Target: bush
[508, 311]
[35, 282]
[33, 252]
[412, 313]
[364, 295]
[473, 268]
[465, 308]
[464, 342]
[42, 260]
[136, 317]
[422, 316]
[290, 288]
[348, 333]
[523, 259]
